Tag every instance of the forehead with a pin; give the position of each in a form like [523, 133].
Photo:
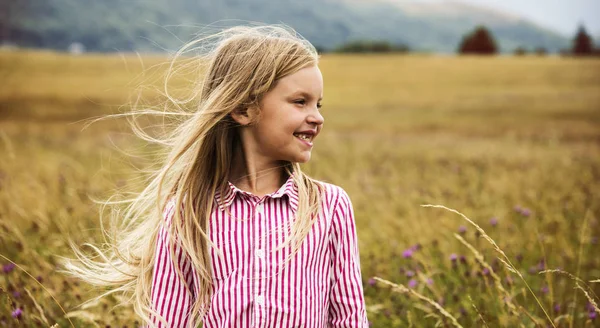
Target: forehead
[308, 79]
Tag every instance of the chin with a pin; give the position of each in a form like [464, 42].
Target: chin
[302, 159]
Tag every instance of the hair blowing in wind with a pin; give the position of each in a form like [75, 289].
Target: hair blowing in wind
[239, 65]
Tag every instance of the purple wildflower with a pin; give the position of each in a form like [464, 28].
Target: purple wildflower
[593, 314]
[545, 290]
[557, 307]
[412, 283]
[16, 294]
[462, 259]
[372, 282]
[462, 229]
[407, 253]
[541, 265]
[415, 247]
[526, 212]
[7, 268]
[453, 257]
[518, 209]
[17, 314]
[410, 273]
[485, 271]
[494, 221]
[429, 281]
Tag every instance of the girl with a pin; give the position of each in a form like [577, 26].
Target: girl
[230, 232]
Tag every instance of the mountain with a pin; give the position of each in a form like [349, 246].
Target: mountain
[455, 17]
[157, 25]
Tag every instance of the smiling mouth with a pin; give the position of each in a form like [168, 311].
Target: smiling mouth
[307, 139]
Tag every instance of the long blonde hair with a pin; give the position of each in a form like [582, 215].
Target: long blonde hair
[243, 63]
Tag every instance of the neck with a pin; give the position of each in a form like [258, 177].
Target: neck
[254, 174]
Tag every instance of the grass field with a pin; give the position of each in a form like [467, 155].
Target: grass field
[512, 143]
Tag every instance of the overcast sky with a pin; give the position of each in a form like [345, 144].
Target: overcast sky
[561, 15]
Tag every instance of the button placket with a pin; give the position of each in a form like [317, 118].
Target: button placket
[259, 298]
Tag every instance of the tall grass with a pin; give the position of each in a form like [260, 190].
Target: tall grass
[513, 142]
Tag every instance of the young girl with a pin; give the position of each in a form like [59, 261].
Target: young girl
[230, 232]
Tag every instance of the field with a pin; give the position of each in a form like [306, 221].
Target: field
[512, 143]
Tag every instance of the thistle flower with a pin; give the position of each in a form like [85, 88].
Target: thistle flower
[557, 307]
[415, 247]
[453, 257]
[17, 314]
[407, 253]
[412, 283]
[7, 268]
[541, 265]
[494, 221]
[372, 281]
[410, 273]
[462, 229]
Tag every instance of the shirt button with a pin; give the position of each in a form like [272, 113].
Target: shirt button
[260, 253]
[259, 208]
[260, 299]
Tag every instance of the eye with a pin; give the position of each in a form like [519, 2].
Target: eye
[300, 101]
[319, 105]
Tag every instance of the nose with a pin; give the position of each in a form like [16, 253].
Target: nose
[316, 118]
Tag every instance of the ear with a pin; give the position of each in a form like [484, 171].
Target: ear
[241, 116]
[246, 115]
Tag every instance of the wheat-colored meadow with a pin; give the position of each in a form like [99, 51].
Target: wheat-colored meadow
[511, 143]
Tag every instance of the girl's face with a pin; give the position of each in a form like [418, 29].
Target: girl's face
[289, 118]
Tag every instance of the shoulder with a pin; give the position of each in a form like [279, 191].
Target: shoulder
[333, 195]
[168, 211]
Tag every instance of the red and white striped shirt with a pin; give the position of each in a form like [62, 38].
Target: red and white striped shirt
[320, 286]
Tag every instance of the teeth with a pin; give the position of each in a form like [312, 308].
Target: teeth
[303, 136]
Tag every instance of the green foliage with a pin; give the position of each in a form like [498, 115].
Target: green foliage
[366, 46]
[520, 51]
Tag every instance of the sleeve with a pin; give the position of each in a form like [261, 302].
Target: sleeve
[171, 300]
[347, 303]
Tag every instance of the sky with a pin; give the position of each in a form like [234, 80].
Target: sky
[563, 16]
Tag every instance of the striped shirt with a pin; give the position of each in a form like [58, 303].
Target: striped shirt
[255, 284]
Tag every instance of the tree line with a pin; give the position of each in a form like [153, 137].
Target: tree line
[480, 41]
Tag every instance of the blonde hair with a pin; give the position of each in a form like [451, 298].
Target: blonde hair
[243, 63]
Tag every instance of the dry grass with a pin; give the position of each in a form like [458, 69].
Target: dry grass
[512, 138]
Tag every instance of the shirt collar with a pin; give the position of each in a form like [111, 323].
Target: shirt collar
[289, 188]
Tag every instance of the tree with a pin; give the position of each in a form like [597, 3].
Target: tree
[371, 46]
[582, 44]
[520, 51]
[480, 42]
[541, 51]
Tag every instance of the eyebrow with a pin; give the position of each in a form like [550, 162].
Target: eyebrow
[305, 94]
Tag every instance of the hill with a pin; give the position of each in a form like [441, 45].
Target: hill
[154, 25]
